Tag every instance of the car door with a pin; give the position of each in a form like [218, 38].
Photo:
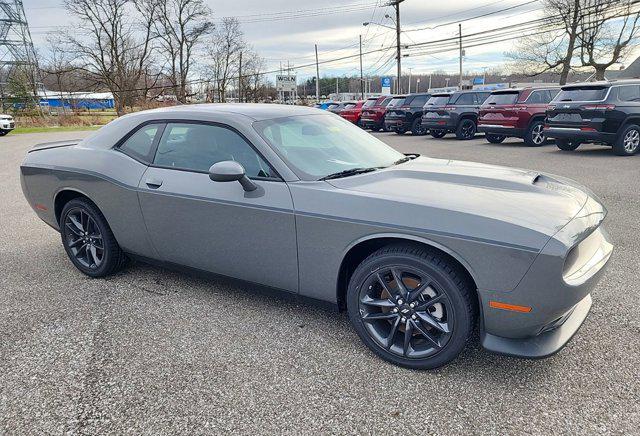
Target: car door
[217, 226]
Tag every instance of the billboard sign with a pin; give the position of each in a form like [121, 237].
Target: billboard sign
[285, 83]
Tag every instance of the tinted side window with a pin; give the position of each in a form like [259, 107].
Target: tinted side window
[466, 99]
[198, 146]
[140, 143]
[629, 93]
[481, 97]
[419, 101]
[537, 97]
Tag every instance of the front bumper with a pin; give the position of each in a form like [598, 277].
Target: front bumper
[556, 290]
[7, 126]
[576, 134]
[496, 129]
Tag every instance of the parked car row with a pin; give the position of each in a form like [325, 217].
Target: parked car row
[605, 113]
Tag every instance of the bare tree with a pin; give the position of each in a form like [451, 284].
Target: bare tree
[224, 51]
[59, 65]
[253, 86]
[114, 44]
[552, 51]
[610, 31]
[180, 26]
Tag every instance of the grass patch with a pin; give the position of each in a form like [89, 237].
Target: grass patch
[20, 130]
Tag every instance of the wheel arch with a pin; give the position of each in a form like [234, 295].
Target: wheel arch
[468, 116]
[65, 195]
[535, 117]
[360, 249]
[631, 119]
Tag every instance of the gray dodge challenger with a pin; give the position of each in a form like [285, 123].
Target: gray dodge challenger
[418, 251]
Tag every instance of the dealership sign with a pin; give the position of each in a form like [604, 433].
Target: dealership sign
[285, 83]
[386, 85]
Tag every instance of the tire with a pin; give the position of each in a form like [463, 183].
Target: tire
[535, 135]
[567, 144]
[384, 126]
[628, 142]
[466, 129]
[3, 132]
[416, 127]
[495, 139]
[437, 133]
[378, 312]
[106, 257]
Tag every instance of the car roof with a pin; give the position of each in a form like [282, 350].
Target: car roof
[256, 111]
[442, 94]
[398, 96]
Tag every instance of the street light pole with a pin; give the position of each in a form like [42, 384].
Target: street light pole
[460, 38]
[317, 76]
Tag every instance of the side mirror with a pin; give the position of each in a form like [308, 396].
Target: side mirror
[231, 171]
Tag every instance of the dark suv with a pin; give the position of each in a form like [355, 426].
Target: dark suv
[517, 113]
[606, 113]
[453, 112]
[390, 118]
[373, 112]
[408, 116]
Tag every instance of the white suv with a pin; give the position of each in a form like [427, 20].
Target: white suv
[7, 124]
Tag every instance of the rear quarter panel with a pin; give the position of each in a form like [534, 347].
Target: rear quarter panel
[108, 177]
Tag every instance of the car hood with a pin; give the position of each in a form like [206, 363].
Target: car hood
[539, 203]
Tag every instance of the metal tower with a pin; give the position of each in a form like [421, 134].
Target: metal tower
[16, 46]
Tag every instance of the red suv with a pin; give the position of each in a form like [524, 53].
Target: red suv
[352, 111]
[517, 113]
[373, 112]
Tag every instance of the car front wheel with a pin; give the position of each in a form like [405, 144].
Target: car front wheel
[466, 129]
[567, 144]
[495, 139]
[88, 240]
[535, 135]
[411, 306]
[416, 127]
[628, 143]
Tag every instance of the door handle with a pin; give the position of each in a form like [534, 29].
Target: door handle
[153, 183]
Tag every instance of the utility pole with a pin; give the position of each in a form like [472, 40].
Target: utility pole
[317, 76]
[410, 71]
[361, 78]
[460, 39]
[337, 91]
[396, 3]
[240, 79]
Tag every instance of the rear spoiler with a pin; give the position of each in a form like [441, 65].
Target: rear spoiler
[55, 144]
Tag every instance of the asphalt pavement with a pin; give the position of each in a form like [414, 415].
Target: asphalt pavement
[152, 351]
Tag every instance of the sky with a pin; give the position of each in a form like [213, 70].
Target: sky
[335, 25]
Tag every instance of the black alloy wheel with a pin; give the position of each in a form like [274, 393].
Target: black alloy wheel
[416, 127]
[494, 139]
[567, 144]
[437, 133]
[88, 240]
[466, 129]
[411, 306]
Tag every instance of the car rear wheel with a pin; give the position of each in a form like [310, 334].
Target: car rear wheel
[416, 127]
[411, 306]
[88, 240]
[495, 139]
[438, 133]
[535, 135]
[567, 144]
[466, 129]
[628, 143]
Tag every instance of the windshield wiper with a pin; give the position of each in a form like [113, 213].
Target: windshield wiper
[347, 173]
[407, 158]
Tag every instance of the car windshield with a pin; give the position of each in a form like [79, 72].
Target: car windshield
[315, 146]
[438, 100]
[502, 98]
[386, 101]
[370, 102]
[587, 93]
[349, 105]
[396, 101]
